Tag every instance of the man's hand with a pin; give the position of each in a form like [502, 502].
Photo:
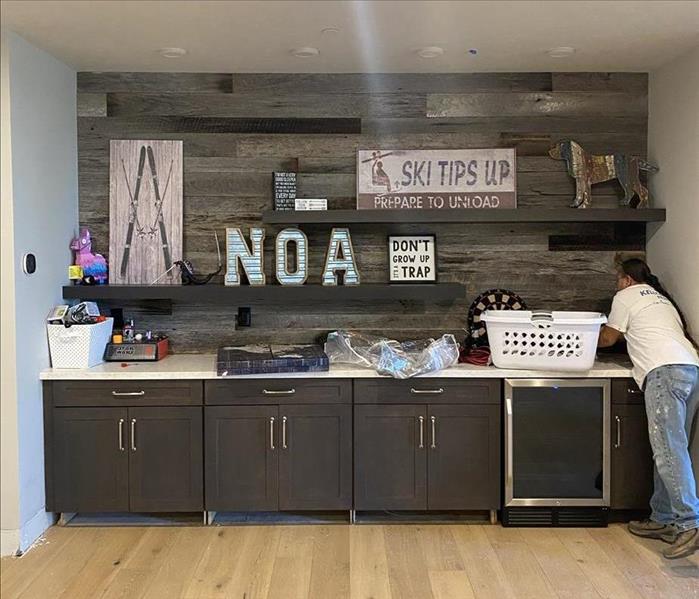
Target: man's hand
[608, 336]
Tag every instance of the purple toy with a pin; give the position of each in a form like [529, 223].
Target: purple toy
[92, 264]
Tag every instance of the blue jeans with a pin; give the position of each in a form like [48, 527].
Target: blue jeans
[672, 398]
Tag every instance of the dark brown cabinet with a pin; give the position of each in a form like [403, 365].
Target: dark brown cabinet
[241, 458]
[463, 466]
[112, 457]
[315, 458]
[90, 460]
[165, 459]
[631, 454]
[291, 451]
[438, 449]
[390, 457]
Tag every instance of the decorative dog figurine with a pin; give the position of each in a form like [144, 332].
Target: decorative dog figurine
[588, 169]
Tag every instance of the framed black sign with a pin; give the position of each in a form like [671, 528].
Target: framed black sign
[412, 258]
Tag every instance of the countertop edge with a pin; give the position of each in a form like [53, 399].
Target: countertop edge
[201, 367]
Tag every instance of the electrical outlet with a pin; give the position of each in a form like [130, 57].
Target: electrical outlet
[244, 317]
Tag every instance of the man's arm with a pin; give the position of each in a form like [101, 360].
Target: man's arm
[608, 336]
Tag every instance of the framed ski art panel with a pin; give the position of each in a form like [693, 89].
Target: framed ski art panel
[145, 211]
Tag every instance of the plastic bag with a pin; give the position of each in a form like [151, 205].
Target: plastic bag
[401, 360]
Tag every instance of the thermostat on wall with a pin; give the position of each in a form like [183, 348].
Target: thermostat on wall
[29, 263]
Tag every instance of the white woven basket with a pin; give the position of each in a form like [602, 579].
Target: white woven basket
[565, 341]
[80, 345]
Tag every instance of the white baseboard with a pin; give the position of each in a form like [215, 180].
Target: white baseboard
[34, 528]
[9, 542]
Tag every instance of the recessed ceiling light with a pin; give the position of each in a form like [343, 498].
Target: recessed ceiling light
[172, 52]
[430, 52]
[560, 52]
[305, 52]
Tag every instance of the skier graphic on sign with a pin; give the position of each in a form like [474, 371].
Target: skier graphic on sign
[379, 177]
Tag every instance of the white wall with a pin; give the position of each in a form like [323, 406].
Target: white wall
[9, 447]
[673, 144]
[44, 190]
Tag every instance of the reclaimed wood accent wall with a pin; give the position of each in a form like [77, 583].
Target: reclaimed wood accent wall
[239, 128]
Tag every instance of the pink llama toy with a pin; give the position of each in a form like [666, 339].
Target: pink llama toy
[92, 264]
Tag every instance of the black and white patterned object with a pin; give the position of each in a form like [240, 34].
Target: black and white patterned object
[493, 299]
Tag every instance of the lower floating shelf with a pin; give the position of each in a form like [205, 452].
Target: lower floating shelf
[268, 294]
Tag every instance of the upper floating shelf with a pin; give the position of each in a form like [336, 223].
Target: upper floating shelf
[267, 294]
[521, 215]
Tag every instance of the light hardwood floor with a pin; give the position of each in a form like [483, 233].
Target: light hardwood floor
[335, 561]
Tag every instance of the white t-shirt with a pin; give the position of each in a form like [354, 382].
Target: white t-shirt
[652, 328]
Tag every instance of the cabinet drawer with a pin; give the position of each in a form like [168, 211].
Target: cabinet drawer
[278, 391]
[427, 390]
[626, 391]
[126, 393]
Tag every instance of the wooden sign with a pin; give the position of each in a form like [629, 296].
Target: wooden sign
[412, 259]
[284, 191]
[145, 211]
[436, 179]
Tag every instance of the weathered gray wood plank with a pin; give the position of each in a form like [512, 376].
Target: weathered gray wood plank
[299, 105]
[573, 104]
[94, 105]
[618, 82]
[213, 83]
[396, 83]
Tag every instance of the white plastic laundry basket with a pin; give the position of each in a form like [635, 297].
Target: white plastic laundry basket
[80, 345]
[564, 341]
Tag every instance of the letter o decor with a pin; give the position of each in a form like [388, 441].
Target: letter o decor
[281, 246]
[340, 257]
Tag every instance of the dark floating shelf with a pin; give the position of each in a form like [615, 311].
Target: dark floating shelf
[267, 294]
[521, 215]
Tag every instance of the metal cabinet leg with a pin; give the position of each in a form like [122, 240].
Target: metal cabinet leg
[353, 516]
[493, 516]
[209, 518]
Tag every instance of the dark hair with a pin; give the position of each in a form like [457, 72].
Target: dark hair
[640, 272]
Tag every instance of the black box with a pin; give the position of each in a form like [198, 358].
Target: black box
[266, 359]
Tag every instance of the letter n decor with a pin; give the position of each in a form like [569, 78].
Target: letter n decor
[237, 250]
[340, 257]
[281, 245]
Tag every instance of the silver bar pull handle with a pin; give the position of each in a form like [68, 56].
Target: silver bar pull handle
[634, 391]
[128, 393]
[617, 444]
[426, 391]
[422, 432]
[271, 432]
[133, 434]
[433, 419]
[121, 434]
[286, 392]
[283, 432]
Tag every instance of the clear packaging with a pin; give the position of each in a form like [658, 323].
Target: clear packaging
[401, 360]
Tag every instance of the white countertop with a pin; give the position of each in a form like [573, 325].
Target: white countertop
[203, 366]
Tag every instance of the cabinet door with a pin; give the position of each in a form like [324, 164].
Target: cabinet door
[632, 458]
[390, 459]
[315, 459]
[463, 448]
[91, 464]
[165, 459]
[242, 458]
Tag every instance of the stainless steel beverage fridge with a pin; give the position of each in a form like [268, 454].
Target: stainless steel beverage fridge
[557, 455]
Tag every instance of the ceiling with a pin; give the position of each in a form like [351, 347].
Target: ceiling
[373, 36]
